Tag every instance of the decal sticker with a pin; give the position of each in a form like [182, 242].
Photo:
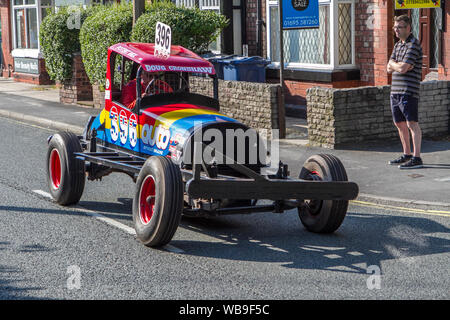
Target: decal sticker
[123, 125]
[114, 130]
[132, 130]
[160, 137]
[154, 68]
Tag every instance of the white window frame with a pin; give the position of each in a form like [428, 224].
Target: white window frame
[27, 52]
[13, 20]
[334, 45]
[210, 5]
[213, 5]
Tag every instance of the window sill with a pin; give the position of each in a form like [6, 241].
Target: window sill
[26, 53]
[315, 75]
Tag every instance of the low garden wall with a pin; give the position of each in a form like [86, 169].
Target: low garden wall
[254, 104]
[343, 116]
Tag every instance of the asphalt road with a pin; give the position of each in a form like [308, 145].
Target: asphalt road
[89, 251]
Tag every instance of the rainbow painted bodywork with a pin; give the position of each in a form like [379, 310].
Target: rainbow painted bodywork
[157, 130]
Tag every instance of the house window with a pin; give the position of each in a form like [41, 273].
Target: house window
[27, 15]
[213, 5]
[46, 6]
[25, 24]
[331, 46]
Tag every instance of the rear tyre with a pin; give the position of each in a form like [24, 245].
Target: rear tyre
[158, 201]
[323, 216]
[65, 173]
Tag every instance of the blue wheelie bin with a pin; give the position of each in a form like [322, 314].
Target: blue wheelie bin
[216, 60]
[250, 69]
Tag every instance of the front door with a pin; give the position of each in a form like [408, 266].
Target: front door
[425, 38]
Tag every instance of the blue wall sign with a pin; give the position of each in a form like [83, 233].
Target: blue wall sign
[300, 14]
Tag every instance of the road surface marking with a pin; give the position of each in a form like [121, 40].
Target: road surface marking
[443, 179]
[385, 206]
[43, 193]
[109, 221]
[171, 248]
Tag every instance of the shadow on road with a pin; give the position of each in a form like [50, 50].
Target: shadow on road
[11, 289]
[429, 146]
[363, 240]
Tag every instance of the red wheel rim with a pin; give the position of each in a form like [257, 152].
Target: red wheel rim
[147, 199]
[55, 168]
[315, 175]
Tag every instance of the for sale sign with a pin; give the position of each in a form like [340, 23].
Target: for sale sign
[299, 14]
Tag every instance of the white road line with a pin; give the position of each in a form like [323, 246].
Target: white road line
[110, 221]
[96, 215]
[171, 248]
[107, 220]
[43, 193]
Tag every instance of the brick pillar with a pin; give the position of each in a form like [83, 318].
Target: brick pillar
[373, 40]
[251, 27]
[78, 88]
[444, 65]
[6, 48]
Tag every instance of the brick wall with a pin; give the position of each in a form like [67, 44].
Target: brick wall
[78, 88]
[254, 104]
[342, 116]
[42, 78]
[373, 40]
[444, 67]
[251, 28]
[98, 96]
[295, 91]
[251, 19]
[6, 39]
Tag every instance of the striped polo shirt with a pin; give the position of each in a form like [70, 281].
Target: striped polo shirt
[410, 52]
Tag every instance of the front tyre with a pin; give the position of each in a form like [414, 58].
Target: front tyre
[158, 201]
[65, 173]
[323, 216]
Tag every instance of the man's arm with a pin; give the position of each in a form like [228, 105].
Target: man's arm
[401, 67]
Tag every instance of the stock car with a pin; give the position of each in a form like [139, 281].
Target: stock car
[162, 142]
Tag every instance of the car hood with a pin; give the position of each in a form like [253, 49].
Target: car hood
[182, 116]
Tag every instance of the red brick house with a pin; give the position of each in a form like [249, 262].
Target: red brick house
[21, 57]
[350, 48]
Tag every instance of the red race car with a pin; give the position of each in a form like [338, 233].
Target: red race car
[184, 155]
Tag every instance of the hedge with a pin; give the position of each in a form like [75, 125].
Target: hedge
[192, 28]
[59, 40]
[108, 25]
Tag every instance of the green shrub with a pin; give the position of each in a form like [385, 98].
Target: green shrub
[108, 25]
[59, 39]
[193, 28]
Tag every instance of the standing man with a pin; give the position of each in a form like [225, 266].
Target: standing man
[405, 65]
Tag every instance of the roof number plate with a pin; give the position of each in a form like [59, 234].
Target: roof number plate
[163, 40]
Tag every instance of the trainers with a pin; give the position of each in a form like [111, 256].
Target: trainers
[402, 159]
[414, 163]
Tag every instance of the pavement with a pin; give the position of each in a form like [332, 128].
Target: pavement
[365, 163]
